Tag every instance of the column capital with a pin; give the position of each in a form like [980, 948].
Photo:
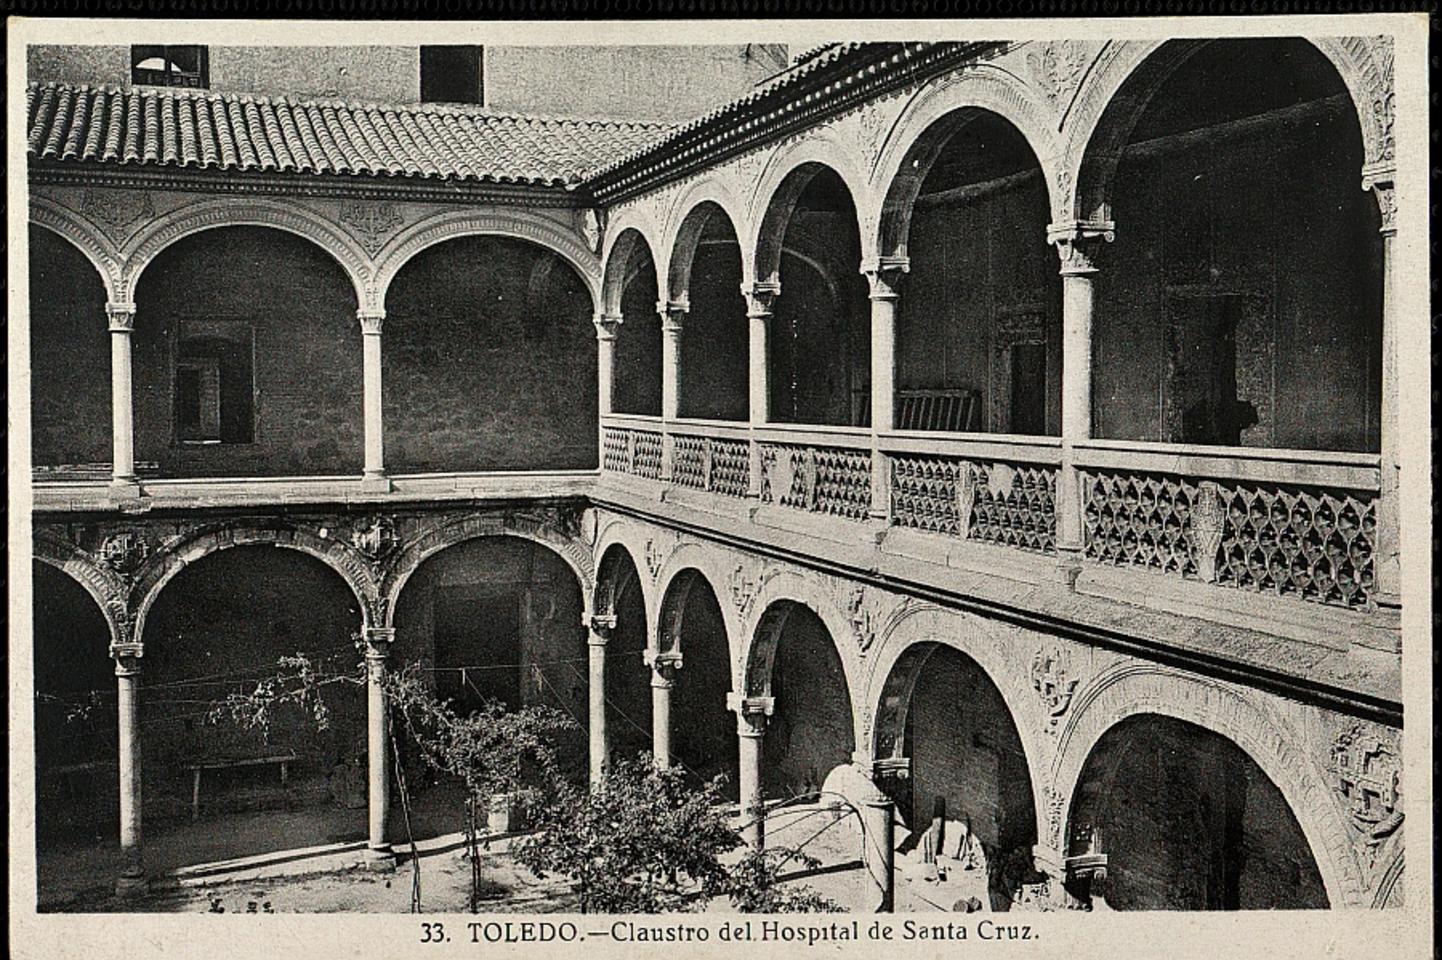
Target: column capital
[663, 666]
[121, 315]
[601, 625]
[884, 274]
[127, 658]
[607, 325]
[378, 641]
[761, 297]
[1380, 180]
[1077, 242]
[371, 320]
[751, 713]
[673, 314]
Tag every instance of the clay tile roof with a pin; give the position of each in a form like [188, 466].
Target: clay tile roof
[199, 128]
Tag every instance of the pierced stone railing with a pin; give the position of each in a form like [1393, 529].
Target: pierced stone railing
[1294, 524]
[999, 490]
[631, 445]
[817, 470]
[718, 460]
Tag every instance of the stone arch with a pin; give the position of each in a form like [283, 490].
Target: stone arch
[514, 223]
[107, 589]
[916, 624]
[623, 535]
[1138, 687]
[929, 121]
[449, 533]
[688, 565]
[103, 255]
[762, 633]
[616, 574]
[777, 190]
[1388, 891]
[685, 223]
[618, 254]
[345, 560]
[210, 214]
[1128, 74]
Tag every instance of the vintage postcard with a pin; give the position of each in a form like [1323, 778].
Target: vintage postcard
[720, 489]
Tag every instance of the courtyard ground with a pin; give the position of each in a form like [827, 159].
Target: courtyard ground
[269, 861]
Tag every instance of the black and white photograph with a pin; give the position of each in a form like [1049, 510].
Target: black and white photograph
[627, 489]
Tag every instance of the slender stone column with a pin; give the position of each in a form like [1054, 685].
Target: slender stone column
[663, 680]
[607, 328]
[759, 299]
[377, 650]
[122, 408]
[673, 323]
[127, 695]
[878, 832]
[601, 627]
[371, 321]
[1387, 591]
[884, 276]
[1077, 244]
[751, 714]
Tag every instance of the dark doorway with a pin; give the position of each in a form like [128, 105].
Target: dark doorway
[1028, 388]
[468, 622]
[1202, 401]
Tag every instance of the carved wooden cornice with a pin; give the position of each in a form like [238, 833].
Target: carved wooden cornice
[308, 185]
[784, 108]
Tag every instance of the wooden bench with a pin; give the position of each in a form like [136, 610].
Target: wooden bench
[283, 760]
[68, 776]
[949, 410]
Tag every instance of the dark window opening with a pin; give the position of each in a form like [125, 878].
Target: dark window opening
[1203, 406]
[170, 66]
[214, 382]
[1028, 388]
[451, 74]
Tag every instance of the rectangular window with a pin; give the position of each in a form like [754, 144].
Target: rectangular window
[451, 74]
[176, 65]
[214, 382]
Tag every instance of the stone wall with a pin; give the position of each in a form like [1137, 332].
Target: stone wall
[489, 361]
[307, 353]
[69, 356]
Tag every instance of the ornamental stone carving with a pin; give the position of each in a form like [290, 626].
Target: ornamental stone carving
[124, 553]
[117, 211]
[375, 537]
[1367, 776]
[744, 583]
[859, 613]
[372, 223]
[1208, 518]
[1057, 66]
[1049, 678]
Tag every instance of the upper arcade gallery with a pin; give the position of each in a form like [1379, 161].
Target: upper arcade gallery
[979, 321]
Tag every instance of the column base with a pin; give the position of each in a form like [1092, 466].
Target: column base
[125, 488]
[376, 482]
[380, 859]
[1068, 567]
[128, 886]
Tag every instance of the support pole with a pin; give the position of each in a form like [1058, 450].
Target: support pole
[122, 409]
[371, 321]
[663, 679]
[1387, 589]
[878, 831]
[601, 628]
[751, 714]
[884, 277]
[1077, 244]
[377, 650]
[759, 300]
[673, 323]
[127, 694]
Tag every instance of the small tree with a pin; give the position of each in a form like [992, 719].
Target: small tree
[753, 884]
[645, 842]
